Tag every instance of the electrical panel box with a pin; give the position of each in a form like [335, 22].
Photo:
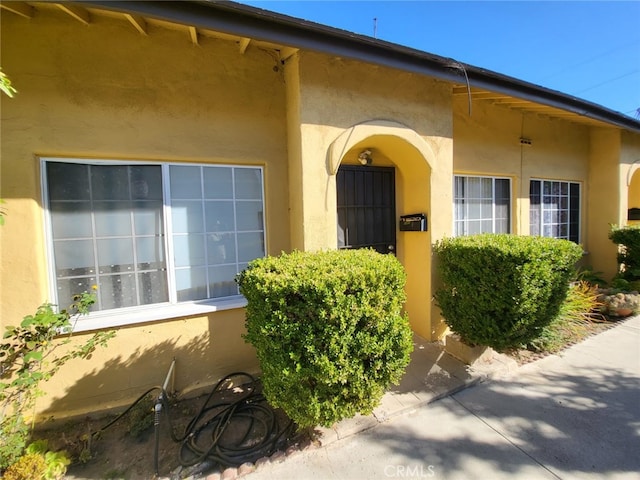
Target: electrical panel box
[416, 222]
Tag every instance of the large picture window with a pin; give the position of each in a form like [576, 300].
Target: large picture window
[148, 234]
[481, 205]
[555, 209]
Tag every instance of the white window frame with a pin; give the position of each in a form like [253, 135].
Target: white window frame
[580, 210]
[493, 200]
[152, 312]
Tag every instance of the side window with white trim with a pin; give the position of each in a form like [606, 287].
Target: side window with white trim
[554, 209]
[481, 205]
[148, 234]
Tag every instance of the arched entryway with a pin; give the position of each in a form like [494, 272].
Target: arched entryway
[387, 165]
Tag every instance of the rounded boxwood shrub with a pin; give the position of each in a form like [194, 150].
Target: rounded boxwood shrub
[500, 290]
[628, 241]
[328, 331]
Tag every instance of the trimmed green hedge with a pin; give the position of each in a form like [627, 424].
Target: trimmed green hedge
[328, 331]
[500, 290]
[628, 238]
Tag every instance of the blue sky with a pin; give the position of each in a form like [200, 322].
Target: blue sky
[587, 49]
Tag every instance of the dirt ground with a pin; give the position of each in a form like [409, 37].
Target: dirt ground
[126, 449]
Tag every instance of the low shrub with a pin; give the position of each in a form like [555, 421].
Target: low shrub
[578, 311]
[328, 331]
[500, 290]
[628, 241]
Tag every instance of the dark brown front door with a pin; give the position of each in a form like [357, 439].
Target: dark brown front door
[366, 208]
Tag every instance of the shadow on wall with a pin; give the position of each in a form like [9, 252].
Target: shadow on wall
[200, 363]
[122, 379]
[540, 421]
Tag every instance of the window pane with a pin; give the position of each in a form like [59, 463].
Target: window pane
[474, 210]
[458, 208]
[534, 192]
[487, 188]
[249, 216]
[502, 226]
[146, 182]
[147, 218]
[185, 182]
[473, 186]
[221, 248]
[112, 218]
[73, 258]
[110, 182]
[68, 181]
[458, 187]
[218, 183]
[473, 227]
[70, 219]
[187, 216]
[219, 216]
[250, 246]
[191, 284]
[221, 281]
[248, 183]
[115, 255]
[68, 287]
[153, 287]
[188, 250]
[149, 253]
[117, 291]
[486, 209]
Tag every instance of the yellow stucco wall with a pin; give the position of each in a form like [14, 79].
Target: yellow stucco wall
[105, 91]
[487, 142]
[406, 120]
[605, 199]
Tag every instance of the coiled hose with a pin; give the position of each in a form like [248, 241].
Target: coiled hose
[225, 432]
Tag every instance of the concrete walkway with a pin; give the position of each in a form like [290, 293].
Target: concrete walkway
[576, 415]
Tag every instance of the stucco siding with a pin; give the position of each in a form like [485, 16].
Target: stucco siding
[487, 142]
[107, 92]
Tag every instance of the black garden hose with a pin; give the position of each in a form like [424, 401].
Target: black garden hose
[224, 432]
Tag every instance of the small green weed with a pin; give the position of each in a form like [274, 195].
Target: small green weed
[140, 418]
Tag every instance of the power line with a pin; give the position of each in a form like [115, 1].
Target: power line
[591, 59]
[608, 81]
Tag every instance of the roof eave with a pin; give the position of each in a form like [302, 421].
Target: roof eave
[250, 22]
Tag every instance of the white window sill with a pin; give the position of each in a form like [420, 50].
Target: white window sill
[154, 313]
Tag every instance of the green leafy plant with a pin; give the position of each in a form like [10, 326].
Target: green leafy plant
[328, 331]
[27, 358]
[500, 290]
[628, 241]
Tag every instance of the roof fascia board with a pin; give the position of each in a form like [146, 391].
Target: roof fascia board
[249, 22]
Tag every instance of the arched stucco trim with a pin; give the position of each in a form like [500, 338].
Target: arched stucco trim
[361, 131]
[635, 166]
